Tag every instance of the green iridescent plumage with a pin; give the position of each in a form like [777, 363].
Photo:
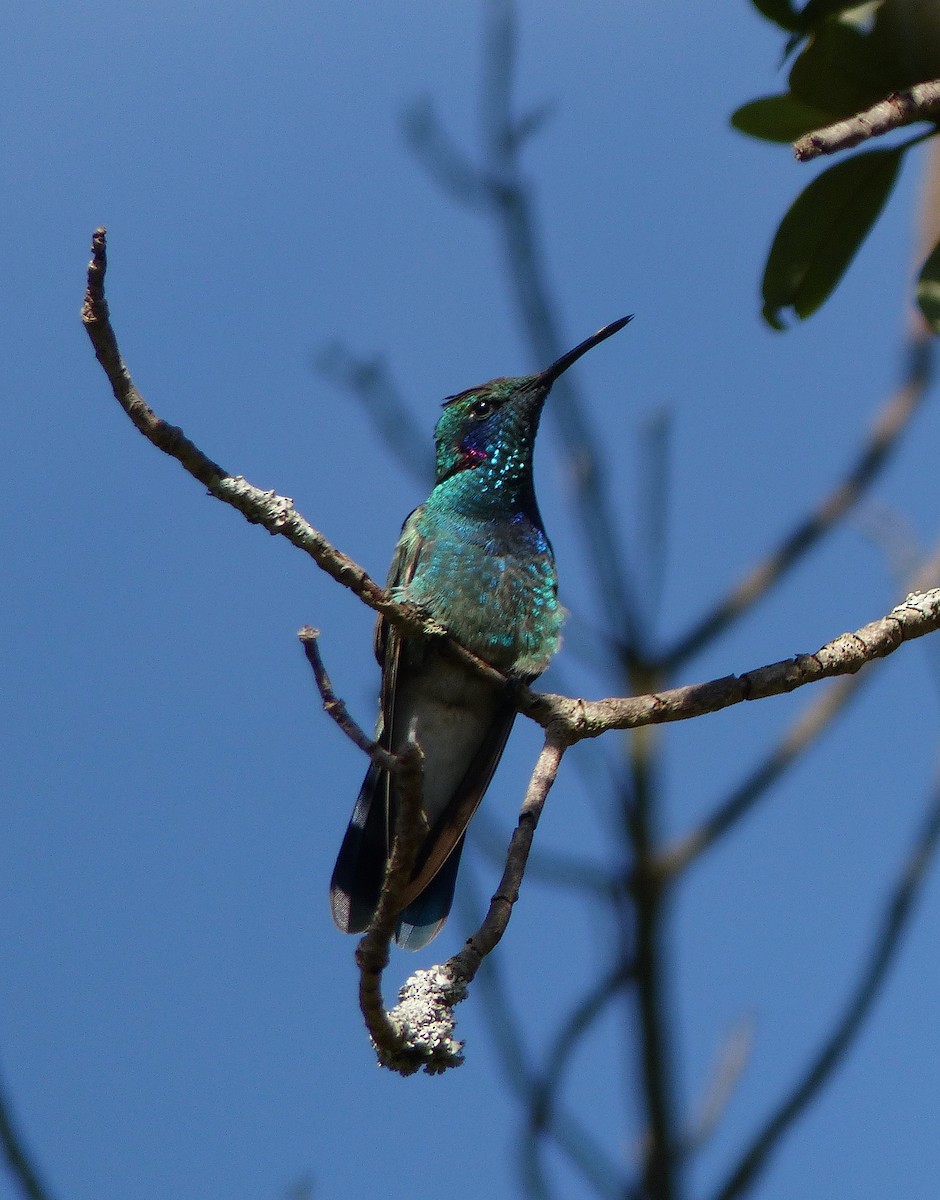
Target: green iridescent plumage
[476, 558]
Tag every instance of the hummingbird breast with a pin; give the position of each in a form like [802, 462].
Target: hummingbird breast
[491, 582]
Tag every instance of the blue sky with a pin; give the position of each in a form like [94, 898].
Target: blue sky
[177, 1012]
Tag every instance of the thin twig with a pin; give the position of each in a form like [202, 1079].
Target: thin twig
[894, 923]
[919, 103]
[336, 708]
[401, 1043]
[417, 1033]
[890, 424]
[276, 513]
[467, 962]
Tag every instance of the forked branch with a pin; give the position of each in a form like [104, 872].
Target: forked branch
[565, 720]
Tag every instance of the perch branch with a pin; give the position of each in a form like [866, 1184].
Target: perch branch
[417, 1033]
[919, 103]
[275, 513]
[423, 1019]
[395, 1045]
[422, 1022]
[467, 962]
[402, 1042]
[916, 616]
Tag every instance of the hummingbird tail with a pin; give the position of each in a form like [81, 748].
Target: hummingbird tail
[423, 918]
[360, 867]
[360, 871]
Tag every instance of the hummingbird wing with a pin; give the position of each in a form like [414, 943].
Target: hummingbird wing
[360, 866]
[461, 723]
[431, 892]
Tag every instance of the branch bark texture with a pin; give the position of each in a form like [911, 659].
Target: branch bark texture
[919, 103]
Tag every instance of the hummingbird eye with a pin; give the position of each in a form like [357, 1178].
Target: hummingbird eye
[481, 408]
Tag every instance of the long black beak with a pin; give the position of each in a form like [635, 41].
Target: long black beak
[550, 374]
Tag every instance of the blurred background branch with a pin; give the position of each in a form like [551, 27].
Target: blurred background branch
[18, 1162]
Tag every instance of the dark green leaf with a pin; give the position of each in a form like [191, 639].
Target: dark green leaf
[781, 12]
[845, 70]
[928, 290]
[780, 118]
[908, 34]
[822, 231]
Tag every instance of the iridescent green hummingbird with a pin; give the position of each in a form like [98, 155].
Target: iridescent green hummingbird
[475, 557]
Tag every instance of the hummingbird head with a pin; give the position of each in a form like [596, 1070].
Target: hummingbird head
[489, 431]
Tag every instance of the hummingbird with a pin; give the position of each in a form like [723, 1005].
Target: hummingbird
[476, 558]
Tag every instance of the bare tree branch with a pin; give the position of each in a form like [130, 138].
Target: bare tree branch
[336, 708]
[18, 1161]
[919, 103]
[467, 962]
[916, 616]
[275, 513]
[890, 424]
[420, 1026]
[835, 1047]
[424, 1016]
[398, 1045]
[728, 1070]
[417, 1034]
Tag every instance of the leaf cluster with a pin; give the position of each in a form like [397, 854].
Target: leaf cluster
[848, 58]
